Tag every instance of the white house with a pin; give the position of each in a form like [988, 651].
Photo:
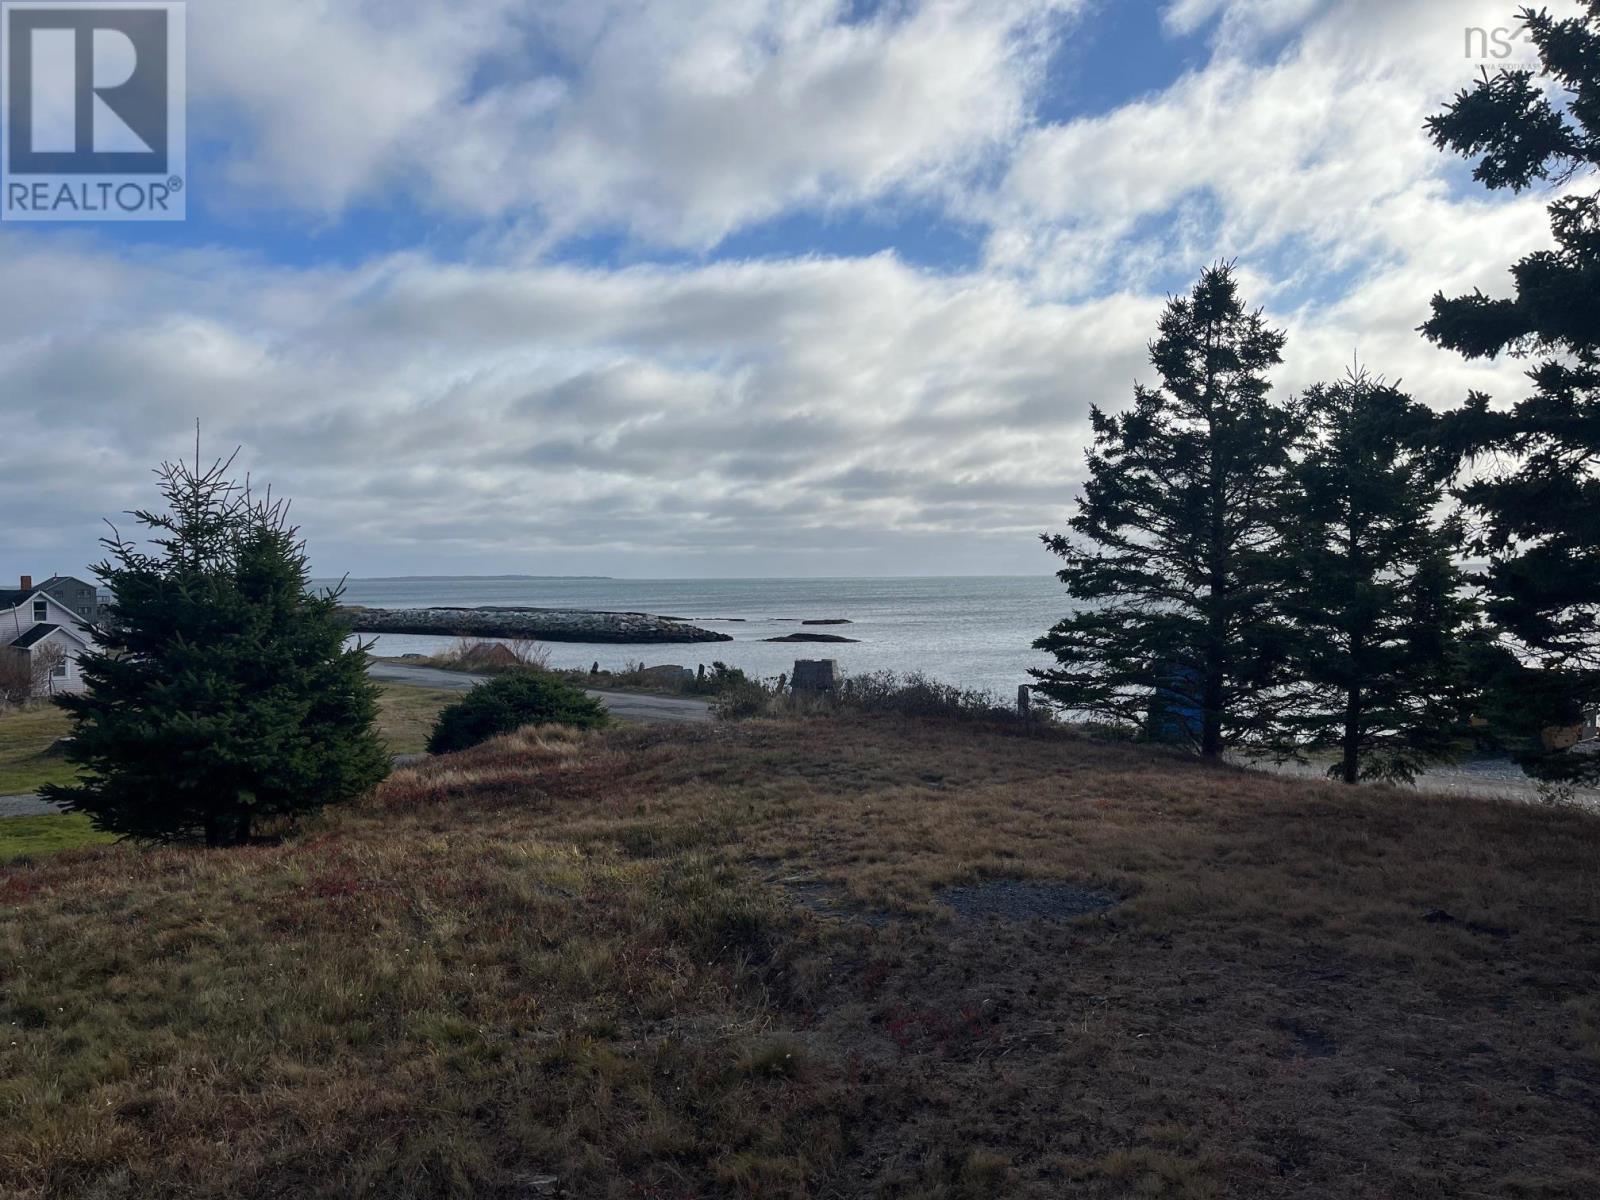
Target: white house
[32, 620]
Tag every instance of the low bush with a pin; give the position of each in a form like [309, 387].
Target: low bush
[635, 676]
[16, 677]
[508, 703]
[916, 695]
[24, 678]
[742, 698]
[482, 656]
[912, 695]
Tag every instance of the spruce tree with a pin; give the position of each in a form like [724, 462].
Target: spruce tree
[221, 694]
[1169, 558]
[1373, 594]
[1532, 484]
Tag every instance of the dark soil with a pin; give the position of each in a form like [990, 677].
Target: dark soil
[1017, 900]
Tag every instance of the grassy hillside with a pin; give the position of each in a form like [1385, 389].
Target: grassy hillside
[683, 962]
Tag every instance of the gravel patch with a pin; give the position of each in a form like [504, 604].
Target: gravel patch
[1016, 900]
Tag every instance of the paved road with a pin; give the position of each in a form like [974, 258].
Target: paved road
[26, 806]
[625, 706]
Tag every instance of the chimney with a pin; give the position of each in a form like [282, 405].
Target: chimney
[27, 583]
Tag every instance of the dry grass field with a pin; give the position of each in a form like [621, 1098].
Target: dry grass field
[671, 963]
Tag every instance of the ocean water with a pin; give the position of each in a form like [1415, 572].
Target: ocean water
[973, 631]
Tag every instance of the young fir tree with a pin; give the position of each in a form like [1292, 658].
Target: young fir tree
[222, 693]
[1373, 595]
[1533, 483]
[1169, 555]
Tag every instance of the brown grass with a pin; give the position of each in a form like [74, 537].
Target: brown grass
[602, 958]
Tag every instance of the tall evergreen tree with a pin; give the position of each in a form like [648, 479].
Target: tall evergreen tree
[1373, 595]
[1533, 488]
[222, 693]
[1169, 554]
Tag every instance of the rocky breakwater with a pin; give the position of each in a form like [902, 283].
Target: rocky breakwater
[535, 624]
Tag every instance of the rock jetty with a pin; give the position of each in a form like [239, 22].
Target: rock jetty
[536, 624]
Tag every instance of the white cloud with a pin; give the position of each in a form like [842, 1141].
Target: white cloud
[676, 121]
[497, 414]
[757, 416]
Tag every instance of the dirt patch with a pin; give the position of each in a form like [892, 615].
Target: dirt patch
[1021, 900]
[1308, 1041]
[830, 902]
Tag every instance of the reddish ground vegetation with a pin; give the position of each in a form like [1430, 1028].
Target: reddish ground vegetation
[713, 962]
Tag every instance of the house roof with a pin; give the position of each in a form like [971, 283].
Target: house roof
[34, 636]
[43, 630]
[11, 597]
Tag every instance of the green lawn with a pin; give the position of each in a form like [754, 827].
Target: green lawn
[25, 735]
[405, 717]
[26, 837]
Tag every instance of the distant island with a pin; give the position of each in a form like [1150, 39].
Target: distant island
[540, 624]
[454, 578]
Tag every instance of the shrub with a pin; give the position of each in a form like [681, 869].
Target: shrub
[16, 677]
[24, 677]
[723, 678]
[636, 676]
[913, 695]
[916, 695]
[741, 698]
[510, 702]
[486, 657]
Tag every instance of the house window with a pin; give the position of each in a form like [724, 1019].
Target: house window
[62, 670]
[41, 610]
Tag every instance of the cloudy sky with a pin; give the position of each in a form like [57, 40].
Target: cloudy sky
[726, 287]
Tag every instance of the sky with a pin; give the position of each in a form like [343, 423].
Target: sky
[683, 288]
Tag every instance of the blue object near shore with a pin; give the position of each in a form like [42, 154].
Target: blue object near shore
[1175, 714]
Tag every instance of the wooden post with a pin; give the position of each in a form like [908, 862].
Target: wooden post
[1024, 702]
